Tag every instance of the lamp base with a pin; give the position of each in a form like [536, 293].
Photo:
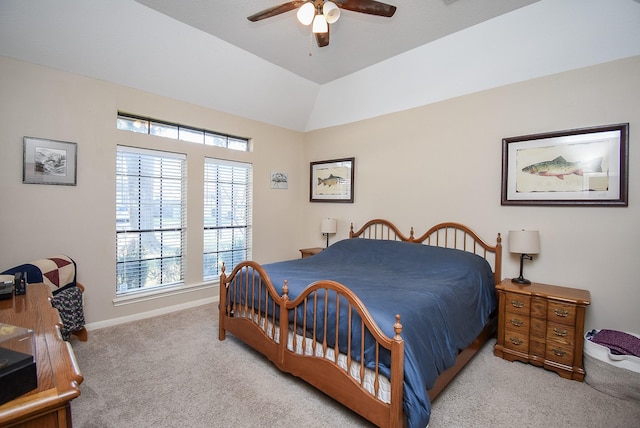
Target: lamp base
[521, 280]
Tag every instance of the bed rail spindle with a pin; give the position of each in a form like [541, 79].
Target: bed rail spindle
[245, 286]
[314, 343]
[325, 318]
[235, 294]
[376, 380]
[305, 302]
[362, 361]
[253, 293]
[275, 308]
[294, 339]
[336, 349]
[349, 314]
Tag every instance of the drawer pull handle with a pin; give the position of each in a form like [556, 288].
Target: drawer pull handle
[559, 332]
[517, 304]
[517, 322]
[558, 352]
[561, 312]
[516, 341]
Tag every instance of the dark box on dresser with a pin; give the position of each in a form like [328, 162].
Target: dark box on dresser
[18, 373]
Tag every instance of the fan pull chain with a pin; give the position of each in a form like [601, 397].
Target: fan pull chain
[310, 41]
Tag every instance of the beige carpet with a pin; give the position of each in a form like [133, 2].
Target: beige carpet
[171, 371]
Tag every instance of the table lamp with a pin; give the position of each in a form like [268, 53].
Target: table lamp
[525, 243]
[328, 226]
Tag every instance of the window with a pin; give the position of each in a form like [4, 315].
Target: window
[144, 125]
[150, 219]
[227, 215]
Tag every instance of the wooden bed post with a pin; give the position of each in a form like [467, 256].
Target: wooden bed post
[222, 304]
[396, 418]
[284, 325]
[497, 269]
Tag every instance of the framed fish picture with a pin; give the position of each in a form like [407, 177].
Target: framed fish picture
[332, 180]
[587, 166]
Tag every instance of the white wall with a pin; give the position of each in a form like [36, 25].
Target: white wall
[442, 162]
[43, 220]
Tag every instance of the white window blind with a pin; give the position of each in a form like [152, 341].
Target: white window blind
[150, 219]
[227, 215]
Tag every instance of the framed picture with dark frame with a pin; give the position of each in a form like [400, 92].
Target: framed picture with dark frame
[577, 167]
[332, 180]
[49, 162]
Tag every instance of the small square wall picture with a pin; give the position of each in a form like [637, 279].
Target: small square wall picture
[49, 162]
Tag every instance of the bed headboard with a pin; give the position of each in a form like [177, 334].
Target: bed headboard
[447, 235]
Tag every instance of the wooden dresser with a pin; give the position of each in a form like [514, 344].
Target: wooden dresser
[58, 373]
[543, 325]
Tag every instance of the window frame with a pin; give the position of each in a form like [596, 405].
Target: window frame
[218, 224]
[164, 233]
[146, 125]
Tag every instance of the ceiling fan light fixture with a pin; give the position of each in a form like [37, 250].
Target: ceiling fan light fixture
[306, 13]
[320, 24]
[330, 11]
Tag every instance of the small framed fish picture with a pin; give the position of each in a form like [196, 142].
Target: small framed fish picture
[576, 167]
[332, 180]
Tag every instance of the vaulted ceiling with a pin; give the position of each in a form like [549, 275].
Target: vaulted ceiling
[207, 53]
[357, 40]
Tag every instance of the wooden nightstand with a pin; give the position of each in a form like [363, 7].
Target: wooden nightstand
[308, 252]
[543, 325]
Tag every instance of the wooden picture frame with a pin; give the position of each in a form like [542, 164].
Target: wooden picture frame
[49, 162]
[577, 167]
[332, 180]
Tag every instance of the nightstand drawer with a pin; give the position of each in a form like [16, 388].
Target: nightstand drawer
[517, 322]
[561, 312]
[562, 354]
[518, 304]
[516, 340]
[561, 333]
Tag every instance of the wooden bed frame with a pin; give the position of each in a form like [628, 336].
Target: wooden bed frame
[254, 321]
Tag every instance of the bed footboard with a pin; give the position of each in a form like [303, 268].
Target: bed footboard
[248, 306]
[300, 337]
[352, 378]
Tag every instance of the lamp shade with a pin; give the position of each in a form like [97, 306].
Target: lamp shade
[320, 24]
[330, 11]
[329, 225]
[306, 13]
[524, 241]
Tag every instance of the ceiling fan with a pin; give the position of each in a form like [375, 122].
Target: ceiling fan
[321, 13]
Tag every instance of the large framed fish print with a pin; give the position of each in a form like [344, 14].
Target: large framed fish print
[587, 166]
[332, 180]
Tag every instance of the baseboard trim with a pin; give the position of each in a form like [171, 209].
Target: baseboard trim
[150, 314]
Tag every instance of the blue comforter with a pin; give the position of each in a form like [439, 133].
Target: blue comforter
[444, 297]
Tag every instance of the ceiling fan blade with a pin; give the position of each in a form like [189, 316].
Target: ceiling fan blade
[276, 10]
[370, 7]
[322, 39]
